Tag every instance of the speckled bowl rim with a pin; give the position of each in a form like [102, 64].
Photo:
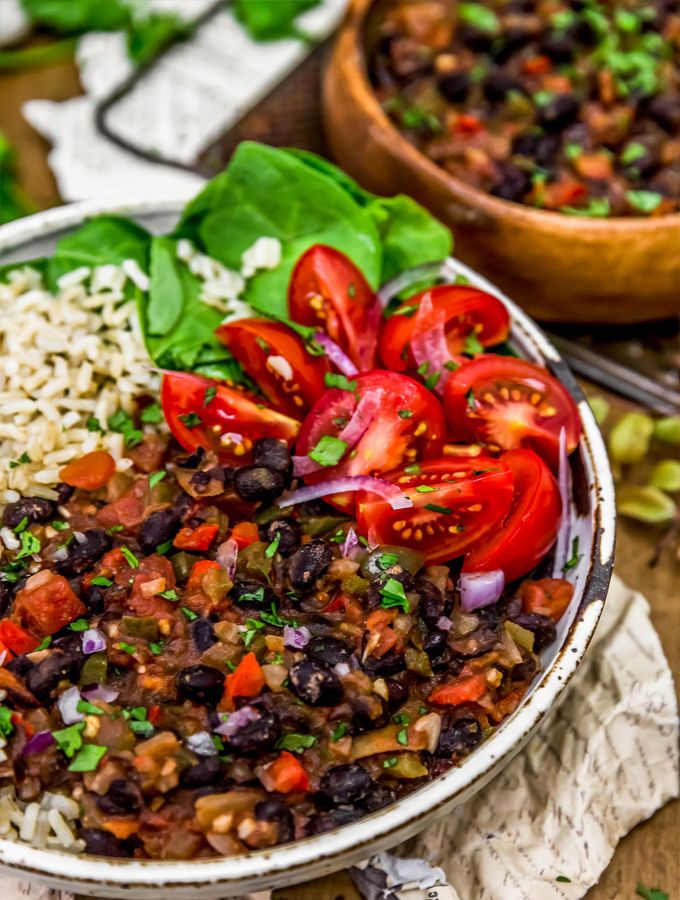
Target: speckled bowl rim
[315, 856]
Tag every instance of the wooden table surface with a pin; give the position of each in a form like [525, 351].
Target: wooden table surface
[649, 854]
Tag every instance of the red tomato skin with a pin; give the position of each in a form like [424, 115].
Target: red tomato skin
[229, 411]
[327, 291]
[465, 309]
[244, 338]
[246, 681]
[199, 538]
[245, 534]
[477, 501]
[46, 604]
[531, 526]
[89, 472]
[465, 690]
[5, 655]
[509, 423]
[287, 774]
[16, 638]
[548, 597]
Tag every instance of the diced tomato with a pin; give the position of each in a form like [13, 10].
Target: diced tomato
[596, 166]
[537, 65]
[287, 774]
[467, 124]
[16, 638]
[128, 509]
[465, 690]
[566, 192]
[246, 681]
[155, 714]
[46, 604]
[121, 828]
[5, 654]
[245, 533]
[90, 472]
[199, 538]
[548, 597]
[148, 456]
[198, 571]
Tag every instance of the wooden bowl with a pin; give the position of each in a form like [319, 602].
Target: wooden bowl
[559, 268]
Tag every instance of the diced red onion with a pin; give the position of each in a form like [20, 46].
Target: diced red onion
[479, 589]
[444, 623]
[67, 704]
[341, 669]
[564, 484]
[2, 657]
[226, 556]
[234, 437]
[385, 489]
[429, 346]
[39, 742]
[338, 357]
[93, 641]
[350, 544]
[368, 337]
[100, 692]
[296, 638]
[202, 744]
[238, 720]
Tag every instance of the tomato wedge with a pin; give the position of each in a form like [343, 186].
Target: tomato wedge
[456, 502]
[532, 523]
[328, 292]
[509, 403]
[383, 421]
[205, 413]
[440, 324]
[276, 358]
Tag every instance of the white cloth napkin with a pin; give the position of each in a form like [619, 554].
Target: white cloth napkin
[605, 761]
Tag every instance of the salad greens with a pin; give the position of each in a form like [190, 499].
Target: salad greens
[13, 203]
[267, 21]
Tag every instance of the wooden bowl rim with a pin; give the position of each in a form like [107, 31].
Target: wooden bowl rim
[355, 67]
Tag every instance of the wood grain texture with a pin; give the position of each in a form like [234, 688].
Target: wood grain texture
[649, 853]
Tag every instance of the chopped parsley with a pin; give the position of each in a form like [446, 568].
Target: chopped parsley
[431, 380]
[191, 420]
[142, 728]
[23, 459]
[402, 737]
[88, 758]
[339, 731]
[151, 414]
[387, 560]
[329, 451]
[434, 507]
[413, 469]
[252, 597]
[156, 649]
[394, 596]
[273, 547]
[273, 618]
[335, 380]
[130, 557]
[563, 879]
[127, 648]
[93, 424]
[162, 549]
[478, 16]
[59, 526]
[170, 594]
[122, 423]
[79, 625]
[210, 394]
[388, 763]
[573, 151]
[114, 529]
[451, 365]
[426, 489]
[471, 402]
[156, 478]
[644, 201]
[296, 743]
[189, 613]
[252, 627]
[472, 345]
[596, 208]
[6, 726]
[44, 644]
[401, 719]
[21, 526]
[575, 557]
[89, 709]
[69, 739]
[632, 153]
[29, 545]
[650, 893]
[101, 581]
[405, 413]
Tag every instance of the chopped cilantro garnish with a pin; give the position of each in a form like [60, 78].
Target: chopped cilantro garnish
[79, 625]
[191, 420]
[69, 739]
[170, 594]
[329, 451]
[156, 649]
[273, 618]
[339, 731]
[252, 627]
[422, 368]
[451, 365]
[296, 743]
[101, 581]
[393, 595]
[402, 737]
[388, 763]
[59, 526]
[44, 643]
[472, 345]
[387, 560]
[482, 471]
[650, 893]
[471, 402]
[335, 380]
[413, 469]
[434, 507]
[130, 557]
[644, 201]
[256, 596]
[210, 394]
[426, 489]
[139, 713]
[151, 414]
[155, 478]
[162, 549]
[23, 459]
[273, 547]
[407, 310]
[29, 545]
[432, 380]
[596, 208]
[632, 152]
[89, 709]
[21, 526]
[563, 879]
[340, 421]
[423, 710]
[6, 726]
[401, 719]
[575, 557]
[405, 413]
[93, 424]
[189, 613]
[127, 648]
[121, 423]
[143, 729]
[114, 529]
[87, 759]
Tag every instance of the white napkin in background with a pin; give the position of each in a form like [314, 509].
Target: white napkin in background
[604, 761]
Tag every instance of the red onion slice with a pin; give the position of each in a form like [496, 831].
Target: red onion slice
[480, 589]
[238, 720]
[68, 703]
[350, 544]
[100, 692]
[93, 641]
[444, 623]
[385, 489]
[296, 638]
[368, 338]
[338, 357]
[428, 344]
[39, 742]
[226, 556]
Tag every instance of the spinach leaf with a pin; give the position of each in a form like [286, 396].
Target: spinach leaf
[268, 21]
[100, 241]
[265, 191]
[13, 203]
[149, 34]
[69, 16]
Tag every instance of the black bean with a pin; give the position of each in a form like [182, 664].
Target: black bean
[193, 460]
[396, 694]
[476, 38]
[477, 643]
[400, 574]
[182, 503]
[256, 736]
[644, 166]
[252, 593]
[368, 713]
[460, 737]
[102, 843]
[20, 665]
[583, 32]
[258, 484]
[525, 671]
[542, 627]
[378, 797]
[666, 112]
[42, 680]
[539, 147]
[34, 509]
[82, 554]
[559, 112]
[315, 683]
[93, 598]
[510, 43]
[333, 819]
[64, 493]
[275, 810]
[433, 603]
[6, 596]
[512, 183]
[274, 455]
[345, 784]
[436, 646]
[288, 533]
[498, 84]
[201, 684]
[309, 563]
[454, 86]
[388, 664]
[203, 634]
[559, 47]
[200, 481]
[329, 650]
[208, 771]
[121, 798]
[157, 529]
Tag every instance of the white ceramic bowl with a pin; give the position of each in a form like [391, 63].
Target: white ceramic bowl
[592, 516]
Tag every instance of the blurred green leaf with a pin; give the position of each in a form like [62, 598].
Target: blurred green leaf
[13, 203]
[599, 407]
[629, 438]
[149, 34]
[645, 504]
[71, 16]
[668, 429]
[270, 21]
[666, 475]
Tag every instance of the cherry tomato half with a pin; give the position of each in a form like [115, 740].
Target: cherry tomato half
[277, 360]
[386, 420]
[455, 503]
[463, 312]
[328, 292]
[509, 403]
[205, 413]
[531, 526]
